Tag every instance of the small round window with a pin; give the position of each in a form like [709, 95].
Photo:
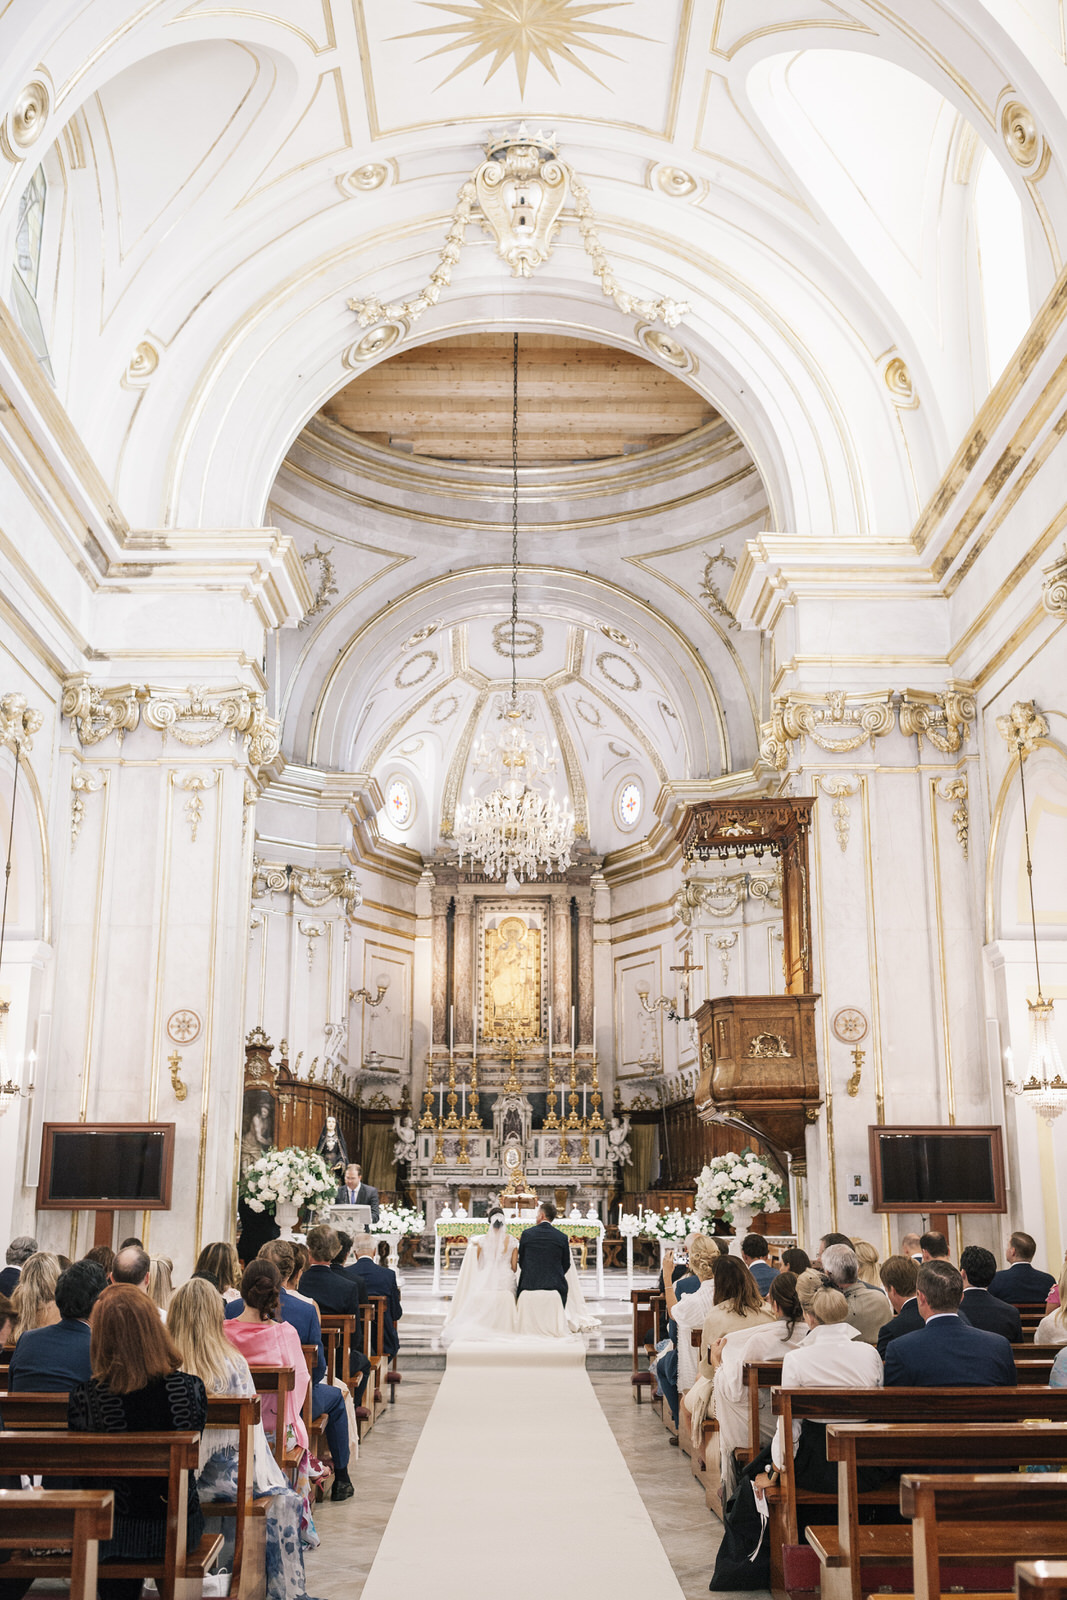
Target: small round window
[399, 802]
[629, 803]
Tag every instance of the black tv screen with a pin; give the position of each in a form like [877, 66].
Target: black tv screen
[106, 1167]
[945, 1169]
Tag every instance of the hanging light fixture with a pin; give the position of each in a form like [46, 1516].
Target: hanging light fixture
[515, 829]
[1044, 1087]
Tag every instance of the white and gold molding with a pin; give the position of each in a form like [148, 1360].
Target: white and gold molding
[195, 717]
[1054, 588]
[840, 722]
[18, 723]
[315, 887]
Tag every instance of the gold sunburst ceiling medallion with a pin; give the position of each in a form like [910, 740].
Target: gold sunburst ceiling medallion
[523, 31]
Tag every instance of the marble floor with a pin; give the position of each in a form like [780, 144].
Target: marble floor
[351, 1531]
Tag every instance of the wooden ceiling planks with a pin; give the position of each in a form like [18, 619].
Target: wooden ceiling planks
[578, 401]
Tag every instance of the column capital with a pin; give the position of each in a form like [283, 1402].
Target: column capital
[195, 716]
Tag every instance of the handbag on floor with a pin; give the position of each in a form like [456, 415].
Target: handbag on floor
[744, 1556]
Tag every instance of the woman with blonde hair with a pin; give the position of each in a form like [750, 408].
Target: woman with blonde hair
[196, 1325]
[1052, 1329]
[868, 1259]
[220, 1259]
[160, 1286]
[676, 1366]
[34, 1297]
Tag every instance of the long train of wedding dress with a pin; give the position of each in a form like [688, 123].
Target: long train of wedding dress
[483, 1306]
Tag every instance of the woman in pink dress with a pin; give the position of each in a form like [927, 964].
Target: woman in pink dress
[265, 1341]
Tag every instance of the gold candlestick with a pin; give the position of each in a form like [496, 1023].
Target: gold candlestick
[439, 1145]
[583, 1154]
[551, 1119]
[564, 1157]
[452, 1121]
[426, 1120]
[463, 1159]
[513, 1086]
[573, 1121]
[596, 1120]
[474, 1121]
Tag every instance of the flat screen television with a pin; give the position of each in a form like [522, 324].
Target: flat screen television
[937, 1169]
[106, 1166]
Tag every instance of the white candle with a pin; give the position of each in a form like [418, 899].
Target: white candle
[474, 1041]
[431, 1027]
[594, 1030]
[464, 1099]
[550, 1033]
[584, 1093]
[440, 1102]
[451, 1029]
[572, 1030]
[1009, 1062]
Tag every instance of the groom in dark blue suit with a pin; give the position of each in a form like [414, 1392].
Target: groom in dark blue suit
[946, 1351]
[544, 1254]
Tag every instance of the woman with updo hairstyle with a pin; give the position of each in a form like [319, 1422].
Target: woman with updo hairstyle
[831, 1356]
[728, 1355]
[266, 1342]
[867, 1270]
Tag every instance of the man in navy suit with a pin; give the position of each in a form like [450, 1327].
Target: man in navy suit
[337, 1294]
[1020, 1283]
[544, 1255]
[354, 1192]
[754, 1255]
[982, 1309]
[898, 1275]
[946, 1352]
[52, 1360]
[324, 1398]
[19, 1252]
[378, 1280]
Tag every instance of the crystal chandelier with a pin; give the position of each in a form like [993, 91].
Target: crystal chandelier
[515, 829]
[1044, 1088]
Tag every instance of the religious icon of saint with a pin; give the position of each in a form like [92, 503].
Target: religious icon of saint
[257, 1126]
[332, 1148]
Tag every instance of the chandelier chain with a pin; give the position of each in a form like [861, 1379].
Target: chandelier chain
[1029, 868]
[514, 507]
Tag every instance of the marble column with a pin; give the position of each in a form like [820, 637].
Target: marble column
[561, 968]
[585, 968]
[441, 898]
[464, 979]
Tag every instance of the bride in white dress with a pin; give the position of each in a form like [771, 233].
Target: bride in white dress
[483, 1306]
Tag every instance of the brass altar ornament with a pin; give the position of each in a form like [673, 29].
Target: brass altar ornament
[180, 1089]
[852, 1087]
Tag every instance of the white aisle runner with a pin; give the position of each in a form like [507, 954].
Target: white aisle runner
[517, 1488]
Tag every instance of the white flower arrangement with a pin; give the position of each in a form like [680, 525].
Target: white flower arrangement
[669, 1225]
[294, 1176]
[630, 1225]
[400, 1220]
[731, 1181]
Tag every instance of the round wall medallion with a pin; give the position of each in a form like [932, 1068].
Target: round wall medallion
[419, 635]
[1019, 132]
[370, 176]
[406, 678]
[183, 1026]
[629, 803]
[665, 348]
[676, 181]
[849, 1024]
[529, 639]
[444, 709]
[30, 114]
[629, 683]
[374, 343]
[588, 713]
[399, 802]
[617, 636]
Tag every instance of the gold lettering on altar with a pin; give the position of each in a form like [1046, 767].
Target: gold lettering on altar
[511, 988]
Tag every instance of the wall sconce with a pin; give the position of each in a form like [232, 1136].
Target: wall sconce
[660, 1004]
[9, 1089]
[365, 995]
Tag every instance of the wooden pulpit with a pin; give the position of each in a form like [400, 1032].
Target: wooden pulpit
[759, 1065]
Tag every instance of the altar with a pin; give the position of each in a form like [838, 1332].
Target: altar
[471, 1227]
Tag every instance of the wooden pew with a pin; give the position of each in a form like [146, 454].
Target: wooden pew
[36, 1412]
[338, 1356]
[645, 1307]
[952, 1407]
[1041, 1580]
[55, 1518]
[375, 1351]
[179, 1574]
[279, 1382]
[917, 1448]
[987, 1518]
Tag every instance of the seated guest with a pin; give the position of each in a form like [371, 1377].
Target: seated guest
[379, 1279]
[51, 1360]
[34, 1298]
[103, 1256]
[910, 1246]
[340, 1260]
[160, 1286]
[827, 1240]
[868, 1309]
[867, 1256]
[264, 1340]
[133, 1241]
[1019, 1282]
[898, 1280]
[832, 1356]
[1052, 1329]
[684, 1279]
[676, 1367]
[220, 1259]
[326, 1398]
[136, 1387]
[19, 1251]
[728, 1356]
[738, 1304]
[1058, 1375]
[754, 1254]
[8, 1318]
[934, 1247]
[338, 1295]
[794, 1260]
[383, 1253]
[947, 1352]
[195, 1323]
[132, 1265]
[254, 1229]
[301, 1262]
[981, 1309]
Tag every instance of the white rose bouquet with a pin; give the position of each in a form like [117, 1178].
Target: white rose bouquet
[737, 1180]
[669, 1225]
[630, 1224]
[401, 1220]
[300, 1177]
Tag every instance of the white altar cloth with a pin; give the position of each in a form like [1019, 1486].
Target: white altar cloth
[527, 1403]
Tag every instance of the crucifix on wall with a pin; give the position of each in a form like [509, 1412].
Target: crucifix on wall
[686, 970]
